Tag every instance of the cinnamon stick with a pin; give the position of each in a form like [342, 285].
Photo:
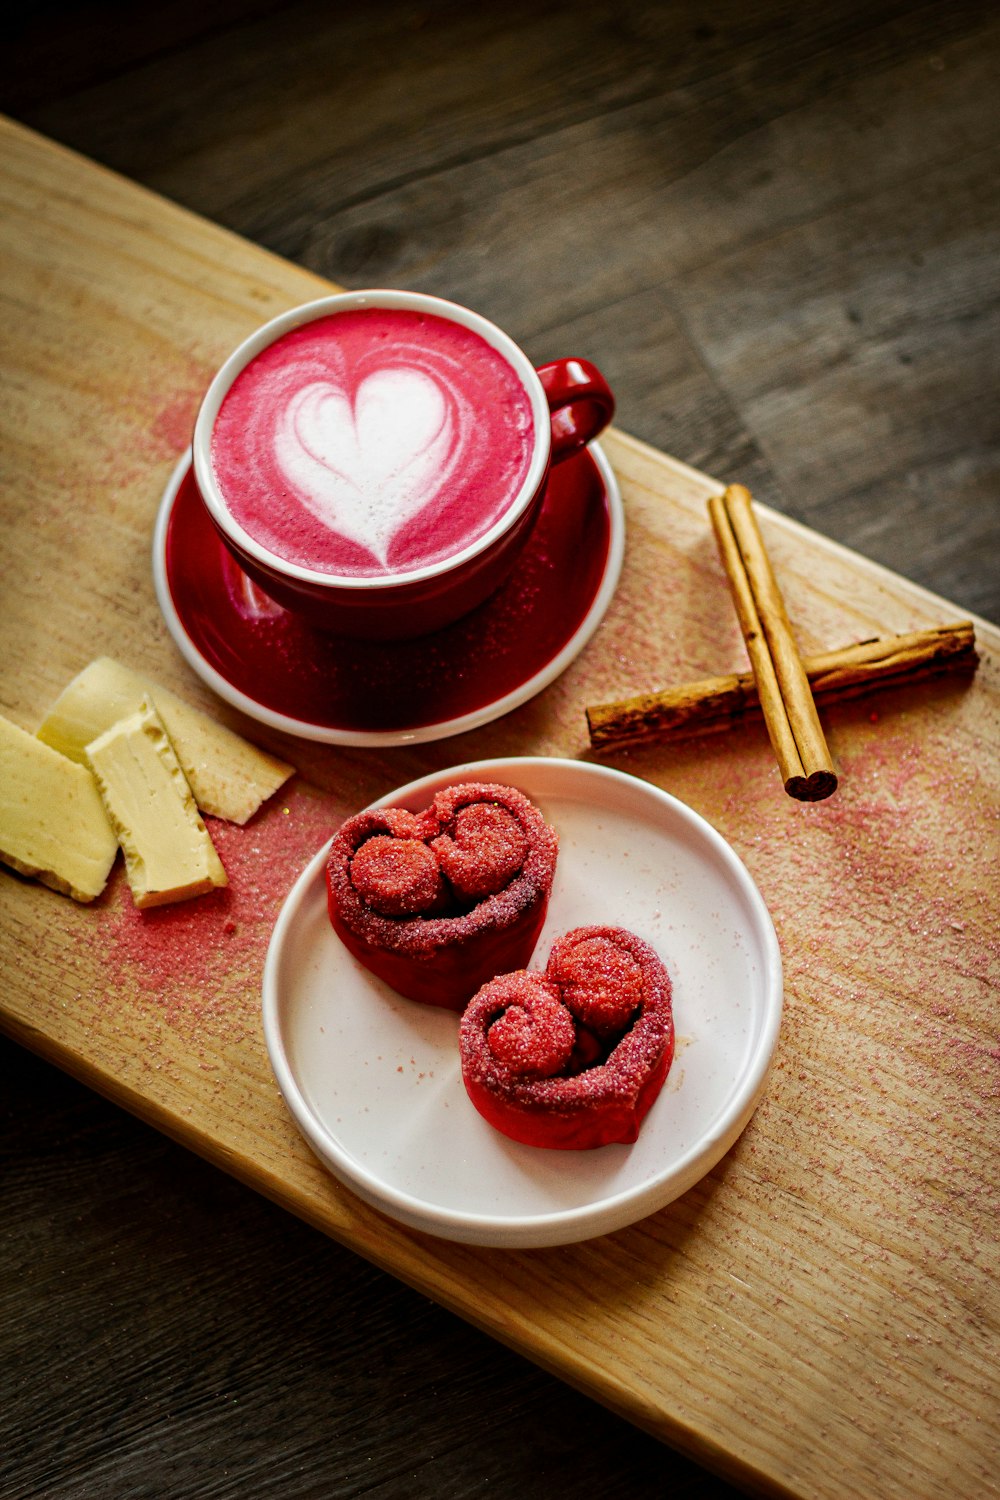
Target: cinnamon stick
[782, 685]
[719, 703]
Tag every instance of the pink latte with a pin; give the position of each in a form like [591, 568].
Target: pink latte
[373, 441]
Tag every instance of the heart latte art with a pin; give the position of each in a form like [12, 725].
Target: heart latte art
[373, 441]
[364, 468]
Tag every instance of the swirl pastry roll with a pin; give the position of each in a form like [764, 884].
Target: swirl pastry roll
[574, 1057]
[437, 902]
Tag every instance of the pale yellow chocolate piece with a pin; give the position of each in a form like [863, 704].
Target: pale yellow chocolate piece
[229, 777]
[52, 821]
[168, 853]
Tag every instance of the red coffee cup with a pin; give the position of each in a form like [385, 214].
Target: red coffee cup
[344, 457]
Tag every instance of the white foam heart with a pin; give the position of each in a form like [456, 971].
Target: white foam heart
[366, 467]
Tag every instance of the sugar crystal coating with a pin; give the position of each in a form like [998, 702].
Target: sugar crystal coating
[534, 1033]
[484, 853]
[397, 877]
[603, 1091]
[437, 938]
[601, 983]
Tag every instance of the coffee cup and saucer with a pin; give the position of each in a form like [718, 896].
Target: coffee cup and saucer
[390, 526]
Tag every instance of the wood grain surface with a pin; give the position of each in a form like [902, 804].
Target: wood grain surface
[819, 1316]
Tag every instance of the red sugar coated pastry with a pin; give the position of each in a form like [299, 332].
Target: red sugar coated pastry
[486, 851]
[534, 1033]
[437, 902]
[601, 982]
[584, 1078]
[398, 877]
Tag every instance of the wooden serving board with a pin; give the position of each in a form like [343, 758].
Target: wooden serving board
[818, 1317]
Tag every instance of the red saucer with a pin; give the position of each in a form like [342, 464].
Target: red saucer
[273, 666]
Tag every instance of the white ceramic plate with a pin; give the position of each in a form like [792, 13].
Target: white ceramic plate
[374, 1082]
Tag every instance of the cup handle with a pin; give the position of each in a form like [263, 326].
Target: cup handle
[580, 401]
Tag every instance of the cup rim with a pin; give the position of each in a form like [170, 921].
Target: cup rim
[320, 307]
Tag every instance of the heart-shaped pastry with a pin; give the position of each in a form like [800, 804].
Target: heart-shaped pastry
[437, 902]
[574, 1057]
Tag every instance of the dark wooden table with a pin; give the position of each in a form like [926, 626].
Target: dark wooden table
[775, 229]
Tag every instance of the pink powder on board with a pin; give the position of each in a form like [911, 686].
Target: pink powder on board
[169, 433]
[883, 902]
[197, 964]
